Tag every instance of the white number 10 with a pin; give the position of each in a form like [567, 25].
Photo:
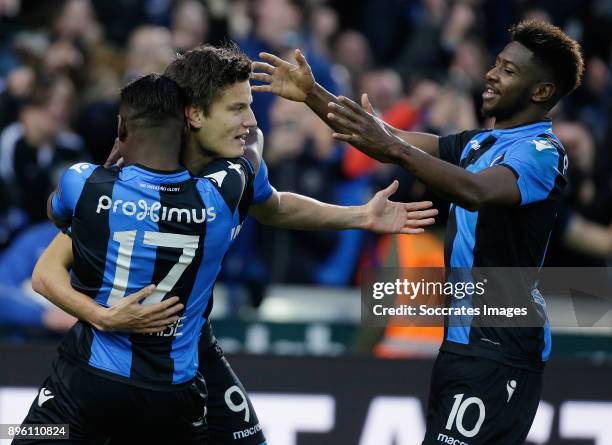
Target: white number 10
[459, 410]
[188, 244]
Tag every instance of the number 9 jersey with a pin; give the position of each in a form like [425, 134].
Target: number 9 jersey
[134, 226]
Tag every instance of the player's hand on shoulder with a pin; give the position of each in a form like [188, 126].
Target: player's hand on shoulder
[385, 216]
[115, 158]
[285, 79]
[254, 148]
[132, 316]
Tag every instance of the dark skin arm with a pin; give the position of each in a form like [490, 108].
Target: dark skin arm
[472, 191]
[297, 83]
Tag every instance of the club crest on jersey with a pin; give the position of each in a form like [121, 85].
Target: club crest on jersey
[155, 211]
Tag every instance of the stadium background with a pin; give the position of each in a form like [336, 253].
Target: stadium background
[287, 308]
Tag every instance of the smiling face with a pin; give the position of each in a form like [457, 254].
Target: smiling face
[511, 83]
[222, 132]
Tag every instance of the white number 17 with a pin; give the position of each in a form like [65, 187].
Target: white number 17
[126, 239]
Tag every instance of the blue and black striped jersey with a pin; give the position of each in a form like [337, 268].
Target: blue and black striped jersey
[506, 236]
[135, 226]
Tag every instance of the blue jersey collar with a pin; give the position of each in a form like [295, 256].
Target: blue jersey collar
[179, 175]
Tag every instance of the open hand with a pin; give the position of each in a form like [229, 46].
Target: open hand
[282, 78]
[384, 216]
[364, 131]
[129, 315]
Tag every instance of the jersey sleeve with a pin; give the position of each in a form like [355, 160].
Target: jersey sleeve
[539, 165]
[451, 146]
[69, 190]
[262, 189]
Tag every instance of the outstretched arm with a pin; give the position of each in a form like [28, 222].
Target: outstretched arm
[493, 186]
[52, 280]
[292, 211]
[296, 82]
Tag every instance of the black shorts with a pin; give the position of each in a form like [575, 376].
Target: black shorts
[231, 417]
[474, 401]
[100, 410]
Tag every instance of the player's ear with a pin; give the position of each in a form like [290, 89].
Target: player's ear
[194, 116]
[544, 92]
[122, 131]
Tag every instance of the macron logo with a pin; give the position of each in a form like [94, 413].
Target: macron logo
[474, 145]
[450, 440]
[542, 145]
[44, 395]
[510, 387]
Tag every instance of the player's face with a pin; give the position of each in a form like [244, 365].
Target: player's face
[224, 129]
[509, 83]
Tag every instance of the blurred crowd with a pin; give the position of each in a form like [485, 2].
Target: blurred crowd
[423, 63]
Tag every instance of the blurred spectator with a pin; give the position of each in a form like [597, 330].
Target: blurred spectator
[324, 25]
[239, 19]
[36, 149]
[17, 87]
[452, 111]
[422, 52]
[300, 154]
[468, 68]
[21, 308]
[592, 102]
[384, 87]
[9, 11]
[352, 51]
[120, 17]
[189, 25]
[461, 21]
[386, 23]
[149, 51]
[580, 238]
[77, 22]
[279, 27]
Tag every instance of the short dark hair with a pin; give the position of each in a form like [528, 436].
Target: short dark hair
[205, 71]
[559, 53]
[152, 99]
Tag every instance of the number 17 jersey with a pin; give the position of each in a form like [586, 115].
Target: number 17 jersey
[134, 226]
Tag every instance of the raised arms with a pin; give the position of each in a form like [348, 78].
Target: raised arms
[296, 82]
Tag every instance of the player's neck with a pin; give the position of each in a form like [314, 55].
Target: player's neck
[194, 158]
[157, 153]
[518, 119]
